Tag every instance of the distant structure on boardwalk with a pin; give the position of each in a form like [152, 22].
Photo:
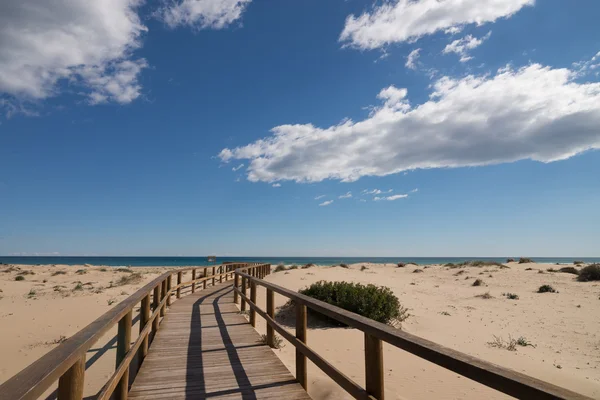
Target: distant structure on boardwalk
[212, 258]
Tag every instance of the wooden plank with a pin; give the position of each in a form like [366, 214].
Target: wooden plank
[374, 367]
[144, 320]
[123, 346]
[301, 336]
[271, 313]
[211, 352]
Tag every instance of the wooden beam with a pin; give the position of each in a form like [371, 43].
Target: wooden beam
[206, 278]
[253, 299]
[374, 367]
[194, 278]
[179, 276]
[144, 318]
[156, 321]
[70, 384]
[236, 283]
[271, 313]
[123, 346]
[243, 304]
[213, 274]
[169, 290]
[301, 336]
[163, 294]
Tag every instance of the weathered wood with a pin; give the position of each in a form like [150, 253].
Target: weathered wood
[374, 367]
[215, 356]
[236, 283]
[144, 320]
[301, 336]
[70, 384]
[123, 346]
[179, 276]
[221, 276]
[163, 294]
[271, 313]
[253, 298]
[206, 278]
[213, 274]
[194, 278]
[156, 321]
[169, 291]
[243, 303]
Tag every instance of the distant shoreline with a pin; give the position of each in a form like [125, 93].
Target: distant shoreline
[202, 260]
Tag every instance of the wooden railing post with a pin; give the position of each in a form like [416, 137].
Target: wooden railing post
[243, 302]
[205, 276]
[169, 290]
[271, 313]
[179, 275]
[301, 335]
[70, 384]
[213, 274]
[221, 274]
[253, 300]
[194, 278]
[236, 284]
[123, 345]
[144, 317]
[374, 366]
[156, 320]
[163, 294]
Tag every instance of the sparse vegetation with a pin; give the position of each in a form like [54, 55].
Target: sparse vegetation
[476, 263]
[377, 303]
[111, 301]
[546, 289]
[551, 270]
[478, 282]
[308, 266]
[589, 273]
[401, 265]
[279, 268]
[578, 262]
[529, 269]
[293, 267]
[462, 271]
[344, 266]
[277, 341]
[569, 270]
[508, 260]
[446, 313]
[103, 270]
[127, 270]
[522, 341]
[511, 296]
[417, 271]
[362, 268]
[61, 272]
[78, 287]
[19, 278]
[498, 342]
[81, 271]
[31, 294]
[131, 279]
[524, 260]
[485, 295]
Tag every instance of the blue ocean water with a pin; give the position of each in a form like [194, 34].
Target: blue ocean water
[200, 261]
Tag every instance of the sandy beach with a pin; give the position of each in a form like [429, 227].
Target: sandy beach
[53, 302]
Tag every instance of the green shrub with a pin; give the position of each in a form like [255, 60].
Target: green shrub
[308, 266]
[510, 260]
[344, 266]
[362, 268]
[417, 271]
[401, 265]
[569, 270]
[577, 262]
[377, 303]
[478, 282]
[546, 289]
[129, 271]
[279, 268]
[132, 279]
[293, 267]
[19, 278]
[81, 271]
[59, 273]
[589, 273]
[511, 296]
[524, 260]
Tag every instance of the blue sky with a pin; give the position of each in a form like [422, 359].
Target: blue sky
[191, 127]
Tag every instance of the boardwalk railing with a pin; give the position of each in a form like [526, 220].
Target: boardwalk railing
[502, 379]
[66, 362]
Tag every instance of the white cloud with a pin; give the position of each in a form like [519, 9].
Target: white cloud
[591, 66]
[87, 44]
[408, 20]
[238, 167]
[391, 198]
[319, 197]
[325, 203]
[463, 45]
[276, 185]
[411, 60]
[376, 191]
[346, 196]
[535, 113]
[203, 14]
[414, 190]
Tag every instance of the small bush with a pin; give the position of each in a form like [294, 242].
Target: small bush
[132, 279]
[103, 270]
[541, 272]
[522, 341]
[546, 289]
[569, 270]
[344, 266]
[462, 271]
[486, 296]
[129, 271]
[417, 271]
[81, 271]
[589, 273]
[277, 341]
[508, 260]
[552, 270]
[293, 267]
[19, 278]
[363, 268]
[524, 260]
[78, 287]
[478, 282]
[59, 273]
[308, 266]
[31, 294]
[110, 302]
[401, 265]
[377, 303]
[279, 268]
[511, 296]
[529, 269]
[577, 262]
[449, 265]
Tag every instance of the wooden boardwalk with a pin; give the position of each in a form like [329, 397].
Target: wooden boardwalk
[205, 349]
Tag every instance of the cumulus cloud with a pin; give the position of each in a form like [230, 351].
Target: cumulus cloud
[238, 167]
[591, 66]
[535, 112]
[203, 14]
[87, 44]
[408, 20]
[325, 203]
[391, 198]
[462, 46]
[276, 185]
[411, 60]
[346, 196]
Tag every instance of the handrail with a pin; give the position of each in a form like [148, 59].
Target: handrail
[66, 362]
[502, 379]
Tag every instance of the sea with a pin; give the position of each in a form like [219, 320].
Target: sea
[172, 261]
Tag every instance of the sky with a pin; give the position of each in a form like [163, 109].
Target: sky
[300, 127]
